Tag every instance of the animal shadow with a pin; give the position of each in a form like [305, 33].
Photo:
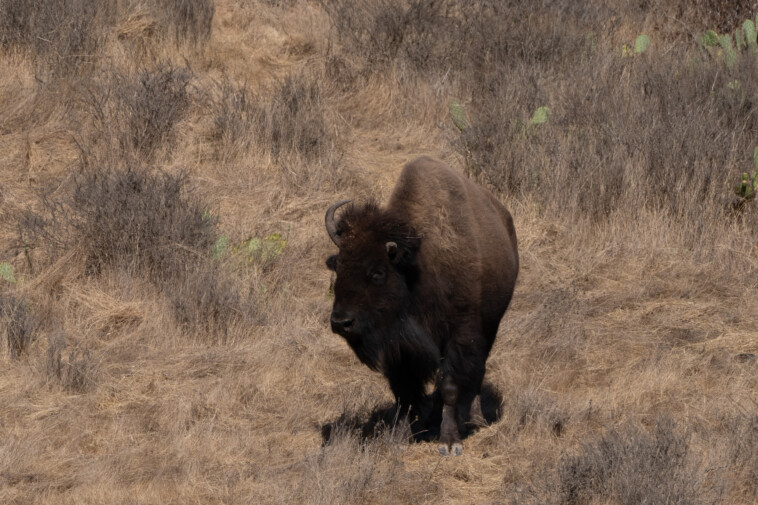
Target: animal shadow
[385, 421]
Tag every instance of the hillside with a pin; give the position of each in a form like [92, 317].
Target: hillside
[164, 303]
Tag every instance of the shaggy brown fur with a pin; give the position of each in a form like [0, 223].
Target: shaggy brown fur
[422, 285]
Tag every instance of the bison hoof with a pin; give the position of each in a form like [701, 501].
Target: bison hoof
[455, 450]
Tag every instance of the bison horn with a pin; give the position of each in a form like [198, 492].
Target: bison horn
[331, 226]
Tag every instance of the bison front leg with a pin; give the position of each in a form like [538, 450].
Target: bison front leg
[461, 376]
[449, 434]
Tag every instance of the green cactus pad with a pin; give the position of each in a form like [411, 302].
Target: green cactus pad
[711, 38]
[6, 272]
[641, 44]
[218, 250]
[541, 116]
[730, 55]
[748, 30]
[458, 114]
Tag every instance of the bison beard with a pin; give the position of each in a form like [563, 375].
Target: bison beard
[421, 287]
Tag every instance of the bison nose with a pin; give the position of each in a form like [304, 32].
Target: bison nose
[342, 323]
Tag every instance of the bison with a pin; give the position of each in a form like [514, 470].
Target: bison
[421, 287]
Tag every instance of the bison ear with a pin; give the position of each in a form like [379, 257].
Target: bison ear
[331, 262]
[391, 250]
[404, 255]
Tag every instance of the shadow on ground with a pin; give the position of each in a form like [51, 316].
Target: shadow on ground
[384, 420]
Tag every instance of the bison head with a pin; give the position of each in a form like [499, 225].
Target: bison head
[376, 271]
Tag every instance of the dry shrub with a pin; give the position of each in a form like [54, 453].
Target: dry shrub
[136, 112]
[73, 371]
[233, 117]
[292, 119]
[637, 467]
[18, 324]
[149, 224]
[629, 466]
[625, 132]
[721, 15]
[382, 32]
[348, 470]
[190, 20]
[532, 409]
[291, 122]
[743, 458]
[66, 35]
[61, 34]
[439, 36]
[140, 221]
[151, 105]
[208, 301]
[664, 132]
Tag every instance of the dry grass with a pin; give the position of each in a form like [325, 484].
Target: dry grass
[165, 169]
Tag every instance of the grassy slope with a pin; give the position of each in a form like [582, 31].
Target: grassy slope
[615, 326]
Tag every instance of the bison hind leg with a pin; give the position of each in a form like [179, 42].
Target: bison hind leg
[477, 419]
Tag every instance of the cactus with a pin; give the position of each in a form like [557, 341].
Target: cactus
[745, 189]
[739, 42]
[748, 186]
[730, 55]
[256, 249]
[748, 30]
[458, 115]
[710, 38]
[541, 116]
[734, 85]
[6, 272]
[641, 43]
[218, 250]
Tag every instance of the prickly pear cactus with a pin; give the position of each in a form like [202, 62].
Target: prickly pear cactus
[6, 272]
[730, 54]
[641, 44]
[458, 115]
[748, 31]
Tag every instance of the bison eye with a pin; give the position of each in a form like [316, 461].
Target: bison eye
[377, 276]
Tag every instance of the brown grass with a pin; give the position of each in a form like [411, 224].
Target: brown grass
[164, 173]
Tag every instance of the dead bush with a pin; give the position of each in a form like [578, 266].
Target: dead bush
[149, 224]
[18, 324]
[233, 117]
[60, 34]
[381, 32]
[293, 125]
[292, 119]
[136, 112]
[743, 457]
[628, 465]
[349, 469]
[626, 134]
[190, 20]
[438, 36]
[144, 222]
[152, 104]
[73, 370]
[206, 301]
[141, 221]
[534, 409]
[66, 35]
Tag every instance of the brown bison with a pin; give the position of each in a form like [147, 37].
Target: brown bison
[421, 287]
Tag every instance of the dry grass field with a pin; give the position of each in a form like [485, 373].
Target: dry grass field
[165, 166]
